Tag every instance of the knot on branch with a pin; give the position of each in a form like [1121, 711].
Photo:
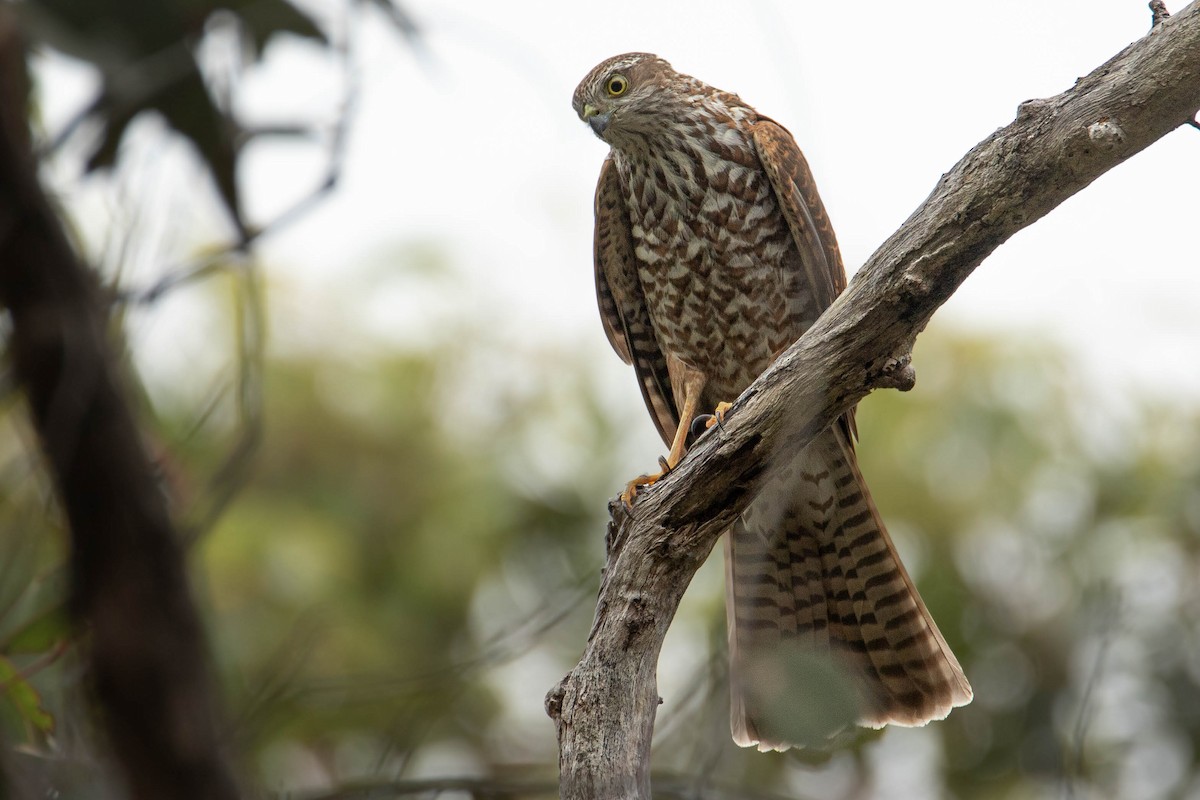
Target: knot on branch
[1107, 134]
[614, 535]
[1032, 108]
[1158, 13]
[897, 373]
[554, 699]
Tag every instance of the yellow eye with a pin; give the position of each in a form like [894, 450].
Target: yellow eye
[617, 85]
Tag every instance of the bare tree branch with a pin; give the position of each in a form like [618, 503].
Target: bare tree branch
[130, 591]
[604, 709]
[1158, 12]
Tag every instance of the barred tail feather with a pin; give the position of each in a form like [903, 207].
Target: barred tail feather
[825, 625]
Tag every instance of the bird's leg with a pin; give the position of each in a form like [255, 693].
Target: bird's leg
[691, 388]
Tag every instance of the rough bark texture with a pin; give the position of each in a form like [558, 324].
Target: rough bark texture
[604, 708]
[130, 591]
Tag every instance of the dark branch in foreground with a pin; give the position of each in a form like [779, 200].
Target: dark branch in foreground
[604, 708]
[146, 654]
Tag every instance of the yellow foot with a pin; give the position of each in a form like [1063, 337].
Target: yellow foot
[718, 415]
[703, 422]
[631, 488]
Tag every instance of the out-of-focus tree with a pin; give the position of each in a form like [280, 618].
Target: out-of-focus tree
[180, 61]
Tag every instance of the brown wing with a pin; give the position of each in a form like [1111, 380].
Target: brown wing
[802, 207]
[623, 303]
[796, 191]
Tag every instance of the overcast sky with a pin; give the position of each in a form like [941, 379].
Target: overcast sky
[474, 145]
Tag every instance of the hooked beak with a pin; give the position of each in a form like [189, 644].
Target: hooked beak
[592, 116]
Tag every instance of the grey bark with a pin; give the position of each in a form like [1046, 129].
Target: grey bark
[604, 708]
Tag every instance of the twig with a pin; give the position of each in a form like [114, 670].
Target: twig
[228, 479]
[1109, 613]
[40, 663]
[1158, 13]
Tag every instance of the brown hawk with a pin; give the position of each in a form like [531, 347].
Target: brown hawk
[713, 253]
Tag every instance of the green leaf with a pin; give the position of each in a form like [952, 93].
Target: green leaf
[187, 107]
[23, 697]
[155, 40]
[40, 633]
[266, 18]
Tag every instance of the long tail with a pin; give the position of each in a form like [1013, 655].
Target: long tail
[823, 619]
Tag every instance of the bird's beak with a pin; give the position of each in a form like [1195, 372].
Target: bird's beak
[592, 116]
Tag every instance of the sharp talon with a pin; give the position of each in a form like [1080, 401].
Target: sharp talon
[700, 424]
[715, 418]
[631, 488]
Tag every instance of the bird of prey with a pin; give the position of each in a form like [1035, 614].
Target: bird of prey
[713, 254]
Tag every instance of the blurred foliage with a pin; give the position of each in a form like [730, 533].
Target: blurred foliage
[149, 56]
[402, 579]
[180, 60]
[348, 576]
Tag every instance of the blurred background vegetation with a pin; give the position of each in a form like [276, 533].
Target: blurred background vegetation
[397, 545]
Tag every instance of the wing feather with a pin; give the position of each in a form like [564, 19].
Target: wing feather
[796, 191]
[622, 302]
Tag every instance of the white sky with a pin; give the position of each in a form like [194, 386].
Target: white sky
[475, 146]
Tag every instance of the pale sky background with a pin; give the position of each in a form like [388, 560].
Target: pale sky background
[473, 146]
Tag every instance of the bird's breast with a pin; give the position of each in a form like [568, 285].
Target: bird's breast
[712, 245]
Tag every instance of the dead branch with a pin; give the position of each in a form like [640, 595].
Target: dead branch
[146, 654]
[604, 708]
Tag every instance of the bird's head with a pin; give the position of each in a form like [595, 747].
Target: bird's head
[625, 95]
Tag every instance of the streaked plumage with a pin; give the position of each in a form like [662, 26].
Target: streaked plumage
[713, 253]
